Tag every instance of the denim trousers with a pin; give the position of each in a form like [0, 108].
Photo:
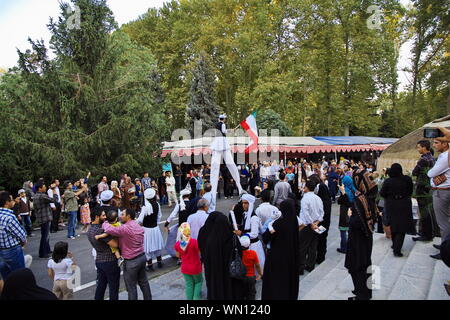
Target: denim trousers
[10, 260]
[72, 224]
[108, 274]
[26, 223]
[44, 246]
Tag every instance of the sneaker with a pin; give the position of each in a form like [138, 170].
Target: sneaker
[120, 261]
[73, 238]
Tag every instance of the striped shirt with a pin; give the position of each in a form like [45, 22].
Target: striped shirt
[11, 231]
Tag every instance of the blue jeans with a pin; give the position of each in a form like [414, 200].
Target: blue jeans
[72, 215]
[10, 260]
[44, 246]
[343, 240]
[26, 223]
[108, 274]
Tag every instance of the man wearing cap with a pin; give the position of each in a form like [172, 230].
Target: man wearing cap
[22, 207]
[221, 149]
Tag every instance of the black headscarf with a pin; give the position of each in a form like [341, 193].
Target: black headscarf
[21, 285]
[395, 171]
[281, 277]
[215, 241]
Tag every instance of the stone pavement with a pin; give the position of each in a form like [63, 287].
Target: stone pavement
[415, 276]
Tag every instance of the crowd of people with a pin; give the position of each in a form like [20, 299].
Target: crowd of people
[276, 231]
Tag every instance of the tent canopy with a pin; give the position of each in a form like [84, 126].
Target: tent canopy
[404, 150]
[282, 144]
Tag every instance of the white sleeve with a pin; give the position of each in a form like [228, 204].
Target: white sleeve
[254, 227]
[440, 166]
[50, 194]
[141, 217]
[159, 214]
[224, 128]
[174, 213]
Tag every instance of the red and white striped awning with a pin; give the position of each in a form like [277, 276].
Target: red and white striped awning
[306, 145]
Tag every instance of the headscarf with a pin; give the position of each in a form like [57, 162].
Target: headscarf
[395, 171]
[245, 241]
[185, 235]
[350, 189]
[183, 193]
[150, 201]
[21, 285]
[248, 214]
[362, 181]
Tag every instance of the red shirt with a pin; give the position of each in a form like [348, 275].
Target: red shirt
[190, 258]
[250, 259]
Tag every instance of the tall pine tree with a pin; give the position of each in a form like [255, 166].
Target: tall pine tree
[202, 103]
[94, 107]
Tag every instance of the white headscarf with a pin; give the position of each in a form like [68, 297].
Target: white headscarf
[149, 194]
[248, 214]
[275, 215]
[184, 192]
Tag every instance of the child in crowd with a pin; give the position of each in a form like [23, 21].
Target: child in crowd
[191, 266]
[60, 268]
[113, 218]
[251, 262]
[85, 213]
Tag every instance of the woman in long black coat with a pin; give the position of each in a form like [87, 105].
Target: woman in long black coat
[397, 191]
[215, 241]
[360, 239]
[281, 269]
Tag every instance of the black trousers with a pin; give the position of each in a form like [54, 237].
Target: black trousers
[56, 215]
[322, 238]
[308, 240]
[380, 221]
[426, 218]
[44, 245]
[249, 288]
[397, 241]
[359, 279]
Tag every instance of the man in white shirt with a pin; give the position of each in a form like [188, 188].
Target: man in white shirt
[311, 214]
[170, 183]
[208, 196]
[441, 191]
[198, 219]
[53, 192]
[265, 209]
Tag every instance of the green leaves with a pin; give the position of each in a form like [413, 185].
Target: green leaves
[98, 106]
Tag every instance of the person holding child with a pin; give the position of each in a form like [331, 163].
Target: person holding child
[113, 218]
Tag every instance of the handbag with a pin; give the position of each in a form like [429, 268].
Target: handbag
[237, 267]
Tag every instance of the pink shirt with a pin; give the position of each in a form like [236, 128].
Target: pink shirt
[190, 258]
[131, 238]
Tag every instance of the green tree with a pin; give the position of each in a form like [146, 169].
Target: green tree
[94, 107]
[202, 105]
[270, 120]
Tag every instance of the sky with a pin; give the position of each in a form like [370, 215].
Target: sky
[20, 19]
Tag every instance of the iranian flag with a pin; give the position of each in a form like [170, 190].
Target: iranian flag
[250, 127]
